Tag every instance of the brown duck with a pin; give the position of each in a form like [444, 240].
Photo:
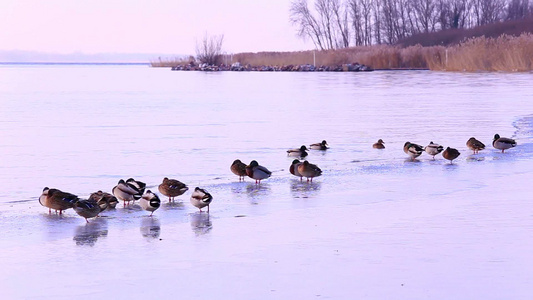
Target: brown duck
[172, 188]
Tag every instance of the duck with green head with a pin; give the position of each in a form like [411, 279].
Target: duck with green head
[200, 198]
[502, 143]
[413, 150]
[88, 209]
[150, 202]
[257, 172]
[433, 149]
[293, 169]
[300, 152]
[320, 146]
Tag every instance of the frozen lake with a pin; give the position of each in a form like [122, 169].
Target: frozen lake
[373, 226]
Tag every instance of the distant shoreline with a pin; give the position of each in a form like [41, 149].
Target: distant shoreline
[74, 63]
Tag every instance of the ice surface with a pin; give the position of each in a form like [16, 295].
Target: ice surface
[373, 226]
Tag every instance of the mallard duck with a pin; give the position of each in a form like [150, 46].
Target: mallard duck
[58, 200]
[87, 209]
[238, 168]
[413, 150]
[320, 146]
[124, 191]
[104, 200]
[201, 198]
[294, 168]
[433, 149]
[172, 188]
[309, 170]
[257, 172]
[300, 152]
[138, 185]
[150, 202]
[475, 145]
[379, 144]
[502, 143]
[450, 154]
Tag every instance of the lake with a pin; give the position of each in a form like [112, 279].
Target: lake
[375, 225]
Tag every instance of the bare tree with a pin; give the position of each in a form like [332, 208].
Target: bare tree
[327, 27]
[488, 11]
[340, 13]
[378, 27]
[356, 15]
[307, 24]
[209, 51]
[426, 14]
[518, 9]
[366, 11]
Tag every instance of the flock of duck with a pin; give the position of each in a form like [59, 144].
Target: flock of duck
[415, 150]
[131, 190]
[128, 191]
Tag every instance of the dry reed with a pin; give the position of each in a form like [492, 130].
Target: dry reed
[505, 53]
[502, 54]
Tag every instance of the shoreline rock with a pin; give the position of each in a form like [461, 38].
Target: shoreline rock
[237, 67]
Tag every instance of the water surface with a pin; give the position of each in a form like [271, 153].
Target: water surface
[82, 128]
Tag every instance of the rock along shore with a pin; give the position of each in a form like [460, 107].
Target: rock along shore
[355, 67]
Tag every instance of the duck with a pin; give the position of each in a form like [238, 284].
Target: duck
[57, 200]
[87, 209]
[238, 168]
[503, 143]
[413, 150]
[257, 172]
[450, 154]
[309, 170]
[475, 145]
[139, 185]
[172, 188]
[293, 169]
[150, 202]
[104, 199]
[300, 152]
[319, 146]
[379, 144]
[124, 191]
[201, 198]
[433, 149]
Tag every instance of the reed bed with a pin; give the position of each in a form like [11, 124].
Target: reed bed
[378, 57]
[504, 53]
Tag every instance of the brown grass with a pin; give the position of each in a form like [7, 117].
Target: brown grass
[505, 53]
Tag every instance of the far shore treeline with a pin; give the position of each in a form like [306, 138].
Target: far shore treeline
[505, 46]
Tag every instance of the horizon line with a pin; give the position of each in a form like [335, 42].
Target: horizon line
[72, 63]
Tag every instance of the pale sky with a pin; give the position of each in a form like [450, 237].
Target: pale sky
[146, 26]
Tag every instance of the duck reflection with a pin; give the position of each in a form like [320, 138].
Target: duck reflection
[239, 187]
[88, 234]
[474, 157]
[173, 205]
[132, 208]
[150, 227]
[201, 223]
[305, 189]
[257, 191]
